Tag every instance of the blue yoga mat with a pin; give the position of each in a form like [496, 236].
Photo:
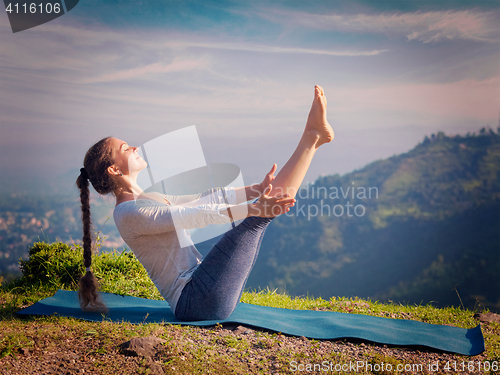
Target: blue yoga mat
[312, 324]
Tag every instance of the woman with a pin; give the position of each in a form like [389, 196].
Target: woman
[154, 226]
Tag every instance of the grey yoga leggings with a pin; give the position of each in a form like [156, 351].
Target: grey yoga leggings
[218, 282]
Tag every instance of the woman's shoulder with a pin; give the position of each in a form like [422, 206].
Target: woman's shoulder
[135, 206]
[134, 214]
[149, 198]
[124, 209]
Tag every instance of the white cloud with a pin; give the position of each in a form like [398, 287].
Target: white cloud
[273, 49]
[423, 26]
[178, 65]
[80, 55]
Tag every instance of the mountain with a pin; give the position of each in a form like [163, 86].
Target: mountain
[419, 227]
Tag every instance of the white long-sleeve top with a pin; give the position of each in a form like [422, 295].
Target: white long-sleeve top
[157, 234]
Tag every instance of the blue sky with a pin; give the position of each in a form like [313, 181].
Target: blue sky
[243, 72]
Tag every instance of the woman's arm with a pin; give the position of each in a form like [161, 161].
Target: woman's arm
[147, 218]
[222, 195]
[210, 196]
[143, 217]
[247, 193]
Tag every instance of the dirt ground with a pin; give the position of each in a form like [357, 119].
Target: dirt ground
[90, 348]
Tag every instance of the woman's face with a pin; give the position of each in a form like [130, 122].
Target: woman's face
[127, 158]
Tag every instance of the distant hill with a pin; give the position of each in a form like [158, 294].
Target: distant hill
[423, 226]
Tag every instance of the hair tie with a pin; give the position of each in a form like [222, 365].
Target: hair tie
[87, 269]
[84, 173]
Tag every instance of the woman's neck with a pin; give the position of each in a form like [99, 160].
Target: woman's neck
[128, 193]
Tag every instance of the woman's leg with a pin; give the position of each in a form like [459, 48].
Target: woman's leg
[317, 132]
[217, 284]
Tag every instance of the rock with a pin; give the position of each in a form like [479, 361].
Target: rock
[24, 351]
[154, 368]
[239, 330]
[142, 346]
[488, 317]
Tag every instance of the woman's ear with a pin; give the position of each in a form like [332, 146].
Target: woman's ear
[113, 171]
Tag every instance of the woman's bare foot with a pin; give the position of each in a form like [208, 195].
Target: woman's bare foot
[317, 125]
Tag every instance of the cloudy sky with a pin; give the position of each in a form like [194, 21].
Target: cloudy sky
[243, 72]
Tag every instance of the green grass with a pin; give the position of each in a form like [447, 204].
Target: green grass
[58, 266]
[424, 313]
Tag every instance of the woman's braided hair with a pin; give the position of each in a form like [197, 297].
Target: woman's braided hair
[96, 162]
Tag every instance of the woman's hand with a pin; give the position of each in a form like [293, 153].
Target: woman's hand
[268, 206]
[268, 179]
[244, 194]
